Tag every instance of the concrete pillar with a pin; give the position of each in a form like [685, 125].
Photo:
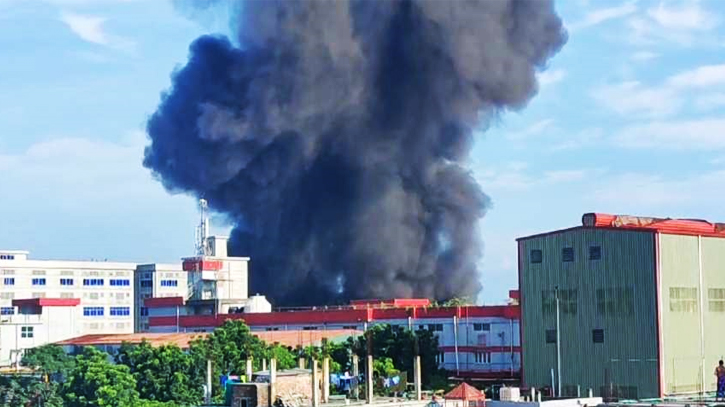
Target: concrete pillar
[272, 381]
[208, 381]
[591, 393]
[315, 384]
[301, 363]
[250, 370]
[356, 374]
[369, 380]
[538, 398]
[264, 364]
[417, 378]
[533, 394]
[326, 380]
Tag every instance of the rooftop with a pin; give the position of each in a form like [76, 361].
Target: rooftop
[689, 227]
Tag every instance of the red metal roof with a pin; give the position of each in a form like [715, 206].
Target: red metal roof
[46, 302]
[339, 316]
[465, 391]
[162, 302]
[662, 225]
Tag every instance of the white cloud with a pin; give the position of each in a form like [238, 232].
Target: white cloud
[581, 139]
[90, 28]
[533, 130]
[633, 98]
[643, 56]
[700, 77]
[682, 25]
[649, 194]
[550, 77]
[710, 101]
[516, 176]
[703, 134]
[602, 15]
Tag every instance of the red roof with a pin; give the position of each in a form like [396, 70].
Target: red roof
[47, 302]
[465, 391]
[182, 340]
[663, 225]
[162, 302]
[396, 303]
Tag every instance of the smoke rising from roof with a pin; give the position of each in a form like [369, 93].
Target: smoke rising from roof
[336, 135]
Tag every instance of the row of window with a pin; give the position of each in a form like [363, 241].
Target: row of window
[7, 257]
[120, 283]
[567, 254]
[169, 283]
[99, 311]
[482, 357]
[69, 282]
[597, 335]
[7, 310]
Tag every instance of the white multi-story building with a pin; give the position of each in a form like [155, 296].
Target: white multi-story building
[156, 281]
[104, 291]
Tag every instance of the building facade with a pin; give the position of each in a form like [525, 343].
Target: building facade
[156, 281]
[478, 342]
[641, 306]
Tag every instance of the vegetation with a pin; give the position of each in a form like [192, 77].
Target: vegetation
[168, 376]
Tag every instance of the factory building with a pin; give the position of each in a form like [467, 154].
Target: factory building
[640, 303]
[476, 342]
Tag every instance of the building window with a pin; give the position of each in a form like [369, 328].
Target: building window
[147, 283]
[7, 257]
[536, 256]
[144, 312]
[440, 358]
[120, 311]
[66, 281]
[683, 299]
[66, 295]
[7, 310]
[93, 281]
[26, 332]
[567, 254]
[309, 328]
[481, 327]
[598, 335]
[92, 311]
[350, 327]
[120, 283]
[615, 301]
[271, 329]
[9, 281]
[169, 283]
[38, 281]
[595, 252]
[567, 302]
[7, 296]
[482, 357]
[716, 299]
[435, 327]
[551, 336]
[38, 295]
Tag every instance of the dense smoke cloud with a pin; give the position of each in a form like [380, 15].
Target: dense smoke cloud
[335, 135]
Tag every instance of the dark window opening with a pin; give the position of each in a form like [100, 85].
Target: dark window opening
[536, 256]
[551, 336]
[598, 335]
[595, 252]
[567, 254]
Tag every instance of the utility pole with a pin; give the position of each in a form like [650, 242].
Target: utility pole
[558, 343]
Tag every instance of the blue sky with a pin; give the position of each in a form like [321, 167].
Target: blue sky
[628, 120]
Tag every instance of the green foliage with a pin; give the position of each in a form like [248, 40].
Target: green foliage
[458, 302]
[229, 347]
[95, 382]
[285, 358]
[399, 344]
[24, 390]
[48, 359]
[384, 367]
[163, 374]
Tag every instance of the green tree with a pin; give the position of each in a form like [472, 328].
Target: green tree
[164, 374]
[285, 358]
[48, 359]
[95, 382]
[229, 346]
[27, 390]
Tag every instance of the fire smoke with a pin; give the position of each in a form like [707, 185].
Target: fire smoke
[335, 135]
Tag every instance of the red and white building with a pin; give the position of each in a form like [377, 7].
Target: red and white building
[475, 341]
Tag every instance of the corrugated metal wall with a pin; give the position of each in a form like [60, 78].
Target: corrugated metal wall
[615, 293]
[693, 304]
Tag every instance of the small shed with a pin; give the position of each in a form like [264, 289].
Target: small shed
[465, 395]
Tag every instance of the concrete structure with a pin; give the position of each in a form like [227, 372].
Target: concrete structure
[36, 322]
[104, 290]
[476, 342]
[293, 384]
[156, 281]
[641, 304]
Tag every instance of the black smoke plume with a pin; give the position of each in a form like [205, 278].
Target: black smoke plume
[335, 134]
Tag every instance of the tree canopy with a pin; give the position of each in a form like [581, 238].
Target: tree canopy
[96, 382]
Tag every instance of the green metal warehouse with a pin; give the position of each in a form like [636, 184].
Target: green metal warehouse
[641, 306]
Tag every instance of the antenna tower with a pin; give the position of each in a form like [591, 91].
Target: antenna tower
[202, 231]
